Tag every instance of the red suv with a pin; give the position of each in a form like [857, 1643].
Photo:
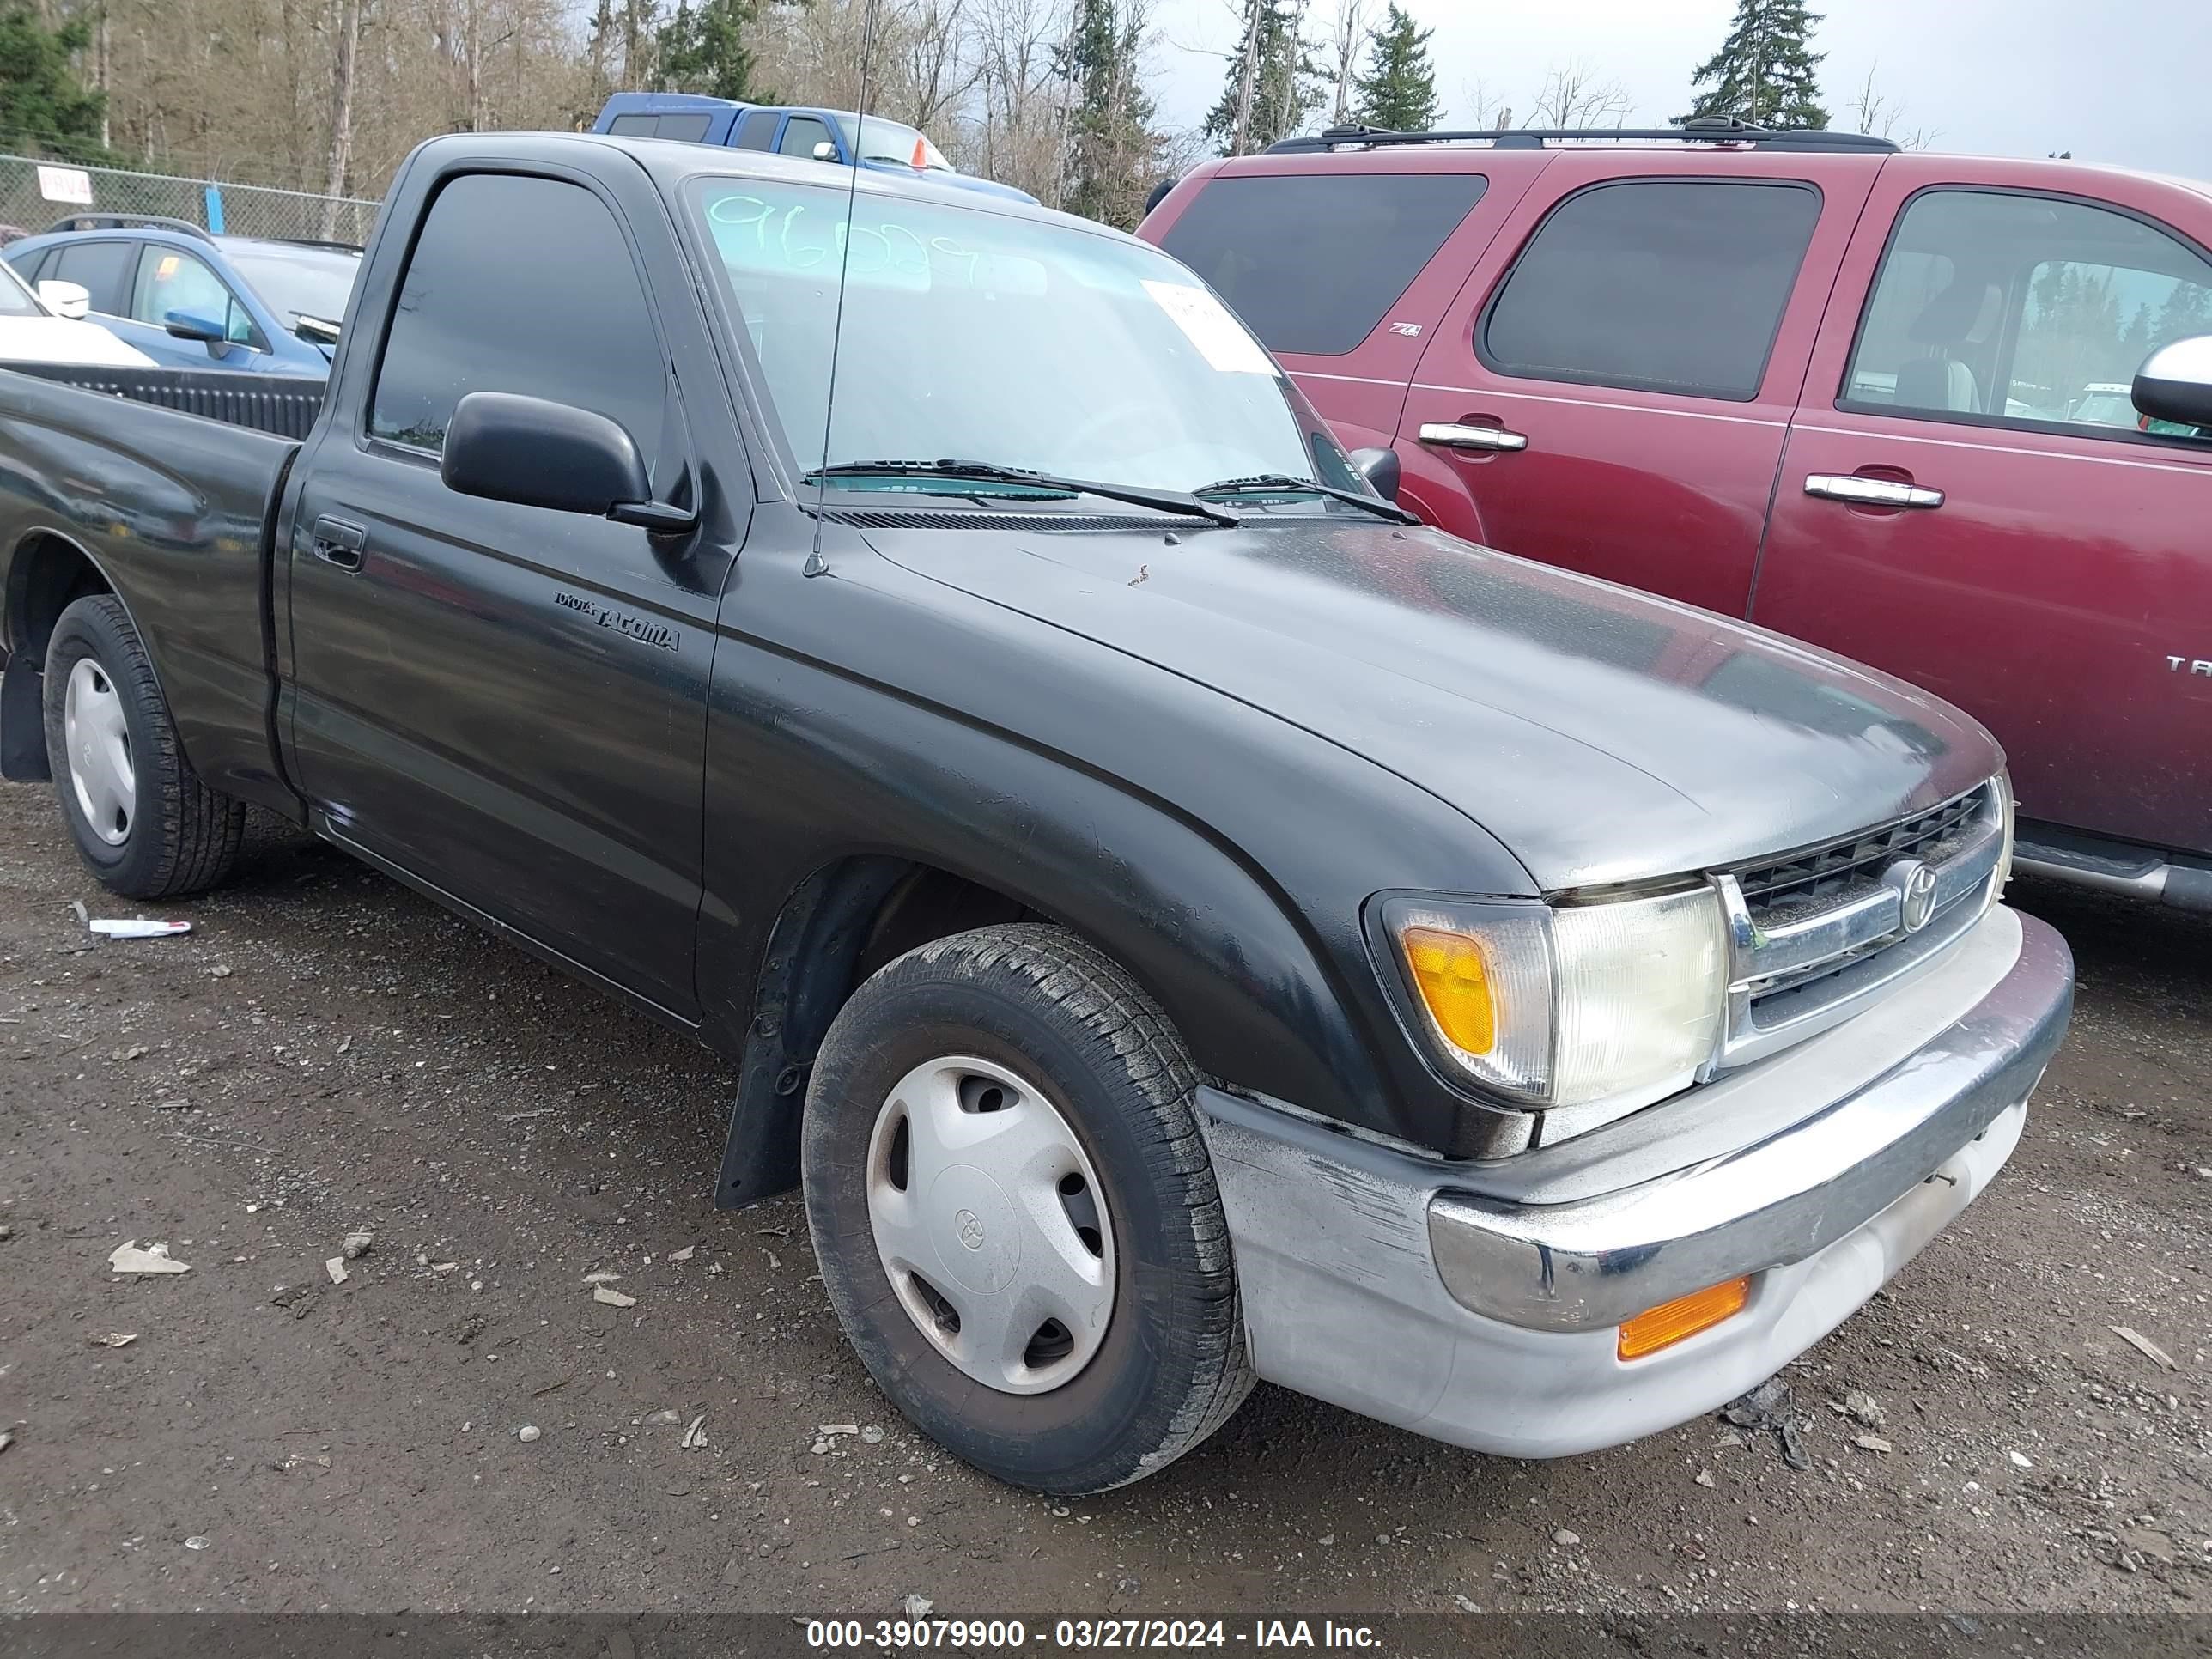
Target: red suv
[1861, 396]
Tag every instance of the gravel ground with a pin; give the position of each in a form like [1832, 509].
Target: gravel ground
[461, 1425]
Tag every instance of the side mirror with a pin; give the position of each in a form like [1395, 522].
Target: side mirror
[2175, 383]
[1381, 469]
[189, 325]
[507, 447]
[825, 151]
[65, 299]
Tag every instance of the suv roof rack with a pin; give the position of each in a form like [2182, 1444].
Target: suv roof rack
[124, 221]
[1705, 129]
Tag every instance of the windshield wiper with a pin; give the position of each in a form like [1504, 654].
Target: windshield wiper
[1282, 483]
[1167, 500]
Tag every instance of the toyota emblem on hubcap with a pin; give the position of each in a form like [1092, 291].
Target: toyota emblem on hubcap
[969, 1227]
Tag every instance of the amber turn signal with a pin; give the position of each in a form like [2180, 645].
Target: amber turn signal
[1454, 985]
[1685, 1316]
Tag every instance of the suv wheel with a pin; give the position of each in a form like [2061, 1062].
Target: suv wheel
[140, 818]
[1016, 1218]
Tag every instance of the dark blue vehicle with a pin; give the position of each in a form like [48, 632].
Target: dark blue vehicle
[189, 298]
[822, 134]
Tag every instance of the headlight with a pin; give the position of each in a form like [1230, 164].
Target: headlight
[1618, 1002]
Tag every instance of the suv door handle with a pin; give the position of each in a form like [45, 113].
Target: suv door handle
[1870, 492]
[340, 544]
[1445, 435]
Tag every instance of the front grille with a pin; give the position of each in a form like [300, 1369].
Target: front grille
[1814, 934]
[1827, 871]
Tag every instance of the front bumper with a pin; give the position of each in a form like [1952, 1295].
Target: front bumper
[1478, 1302]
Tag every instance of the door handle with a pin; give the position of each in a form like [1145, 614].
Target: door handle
[1870, 492]
[1445, 435]
[340, 544]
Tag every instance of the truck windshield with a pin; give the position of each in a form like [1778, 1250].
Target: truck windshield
[874, 139]
[999, 338]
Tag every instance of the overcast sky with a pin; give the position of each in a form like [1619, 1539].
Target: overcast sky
[2119, 80]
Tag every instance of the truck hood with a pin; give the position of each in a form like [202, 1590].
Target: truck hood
[1602, 735]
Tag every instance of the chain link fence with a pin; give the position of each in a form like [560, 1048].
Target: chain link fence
[34, 194]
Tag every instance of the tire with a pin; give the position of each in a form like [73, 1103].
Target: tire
[145, 825]
[1035, 1008]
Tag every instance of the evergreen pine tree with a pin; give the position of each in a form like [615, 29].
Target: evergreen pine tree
[1765, 73]
[1286, 84]
[41, 95]
[703, 49]
[1399, 91]
[1113, 150]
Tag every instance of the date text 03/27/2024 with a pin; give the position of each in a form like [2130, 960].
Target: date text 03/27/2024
[972, 1635]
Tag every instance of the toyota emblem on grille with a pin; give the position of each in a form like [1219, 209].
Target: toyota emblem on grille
[969, 1226]
[1915, 882]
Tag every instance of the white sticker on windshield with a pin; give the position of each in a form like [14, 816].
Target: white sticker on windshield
[1220, 337]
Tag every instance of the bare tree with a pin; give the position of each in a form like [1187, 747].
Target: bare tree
[1870, 113]
[1485, 110]
[341, 146]
[1248, 77]
[1351, 33]
[1573, 96]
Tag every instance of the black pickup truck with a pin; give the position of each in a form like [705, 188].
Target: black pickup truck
[1180, 920]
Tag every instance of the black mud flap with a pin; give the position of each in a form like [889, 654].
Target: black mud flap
[813, 956]
[23, 725]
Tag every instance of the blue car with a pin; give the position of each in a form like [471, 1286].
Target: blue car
[824, 135]
[189, 298]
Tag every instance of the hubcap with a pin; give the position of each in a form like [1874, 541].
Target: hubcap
[989, 1221]
[99, 743]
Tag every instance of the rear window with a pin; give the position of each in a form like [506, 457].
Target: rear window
[1657, 285]
[1311, 262]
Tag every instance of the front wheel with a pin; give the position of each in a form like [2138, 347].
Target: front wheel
[1016, 1218]
[140, 817]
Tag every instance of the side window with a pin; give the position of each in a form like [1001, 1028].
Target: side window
[2031, 309]
[1655, 285]
[101, 267]
[1313, 262]
[634, 126]
[757, 130]
[800, 135]
[170, 281]
[526, 285]
[684, 129]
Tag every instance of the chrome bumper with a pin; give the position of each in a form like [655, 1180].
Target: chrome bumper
[1476, 1302]
[1576, 1267]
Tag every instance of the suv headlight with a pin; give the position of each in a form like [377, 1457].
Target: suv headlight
[1619, 1001]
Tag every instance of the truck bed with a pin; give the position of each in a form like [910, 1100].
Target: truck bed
[279, 405]
[166, 480]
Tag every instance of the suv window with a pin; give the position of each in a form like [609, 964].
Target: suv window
[170, 280]
[101, 267]
[525, 285]
[1311, 262]
[800, 135]
[1997, 305]
[1655, 285]
[757, 132]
